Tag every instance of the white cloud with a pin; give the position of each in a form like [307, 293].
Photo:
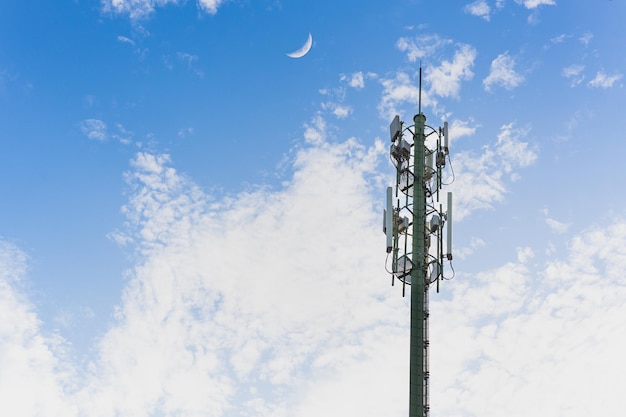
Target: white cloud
[560, 39]
[398, 91]
[190, 60]
[478, 8]
[357, 80]
[315, 131]
[512, 150]
[33, 378]
[184, 132]
[123, 135]
[236, 303]
[574, 72]
[524, 254]
[533, 4]
[603, 80]
[124, 39]
[135, 9]
[421, 46]
[502, 73]
[446, 78]
[221, 290]
[187, 58]
[467, 251]
[459, 128]
[556, 226]
[94, 129]
[336, 96]
[341, 111]
[142, 9]
[516, 326]
[481, 180]
[586, 38]
[210, 6]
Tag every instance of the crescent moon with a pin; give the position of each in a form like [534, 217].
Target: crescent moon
[299, 53]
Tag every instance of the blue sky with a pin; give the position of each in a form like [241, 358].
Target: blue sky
[190, 219]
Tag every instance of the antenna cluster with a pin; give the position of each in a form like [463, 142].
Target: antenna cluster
[402, 205]
[414, 221]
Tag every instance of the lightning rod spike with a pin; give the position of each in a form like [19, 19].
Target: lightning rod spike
[420, 94]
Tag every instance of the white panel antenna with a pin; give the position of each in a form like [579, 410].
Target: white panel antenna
[395, 128]
[449, 228]
[446, 140]
[389, 219]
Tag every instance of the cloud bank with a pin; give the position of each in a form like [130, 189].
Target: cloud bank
[275, 303]
[268, 303]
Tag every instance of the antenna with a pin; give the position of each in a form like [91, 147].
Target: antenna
[395, 128]
[419, 108]
[445, 138]
[389, 219]
[449, 228]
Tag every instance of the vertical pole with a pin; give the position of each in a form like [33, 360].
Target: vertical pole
[417, 373]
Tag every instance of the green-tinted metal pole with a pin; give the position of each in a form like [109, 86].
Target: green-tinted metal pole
[417, 374]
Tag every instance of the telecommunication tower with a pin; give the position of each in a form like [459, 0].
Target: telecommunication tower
[414, 223]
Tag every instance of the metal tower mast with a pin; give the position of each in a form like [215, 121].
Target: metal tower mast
[411, 220]
[418, 374]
